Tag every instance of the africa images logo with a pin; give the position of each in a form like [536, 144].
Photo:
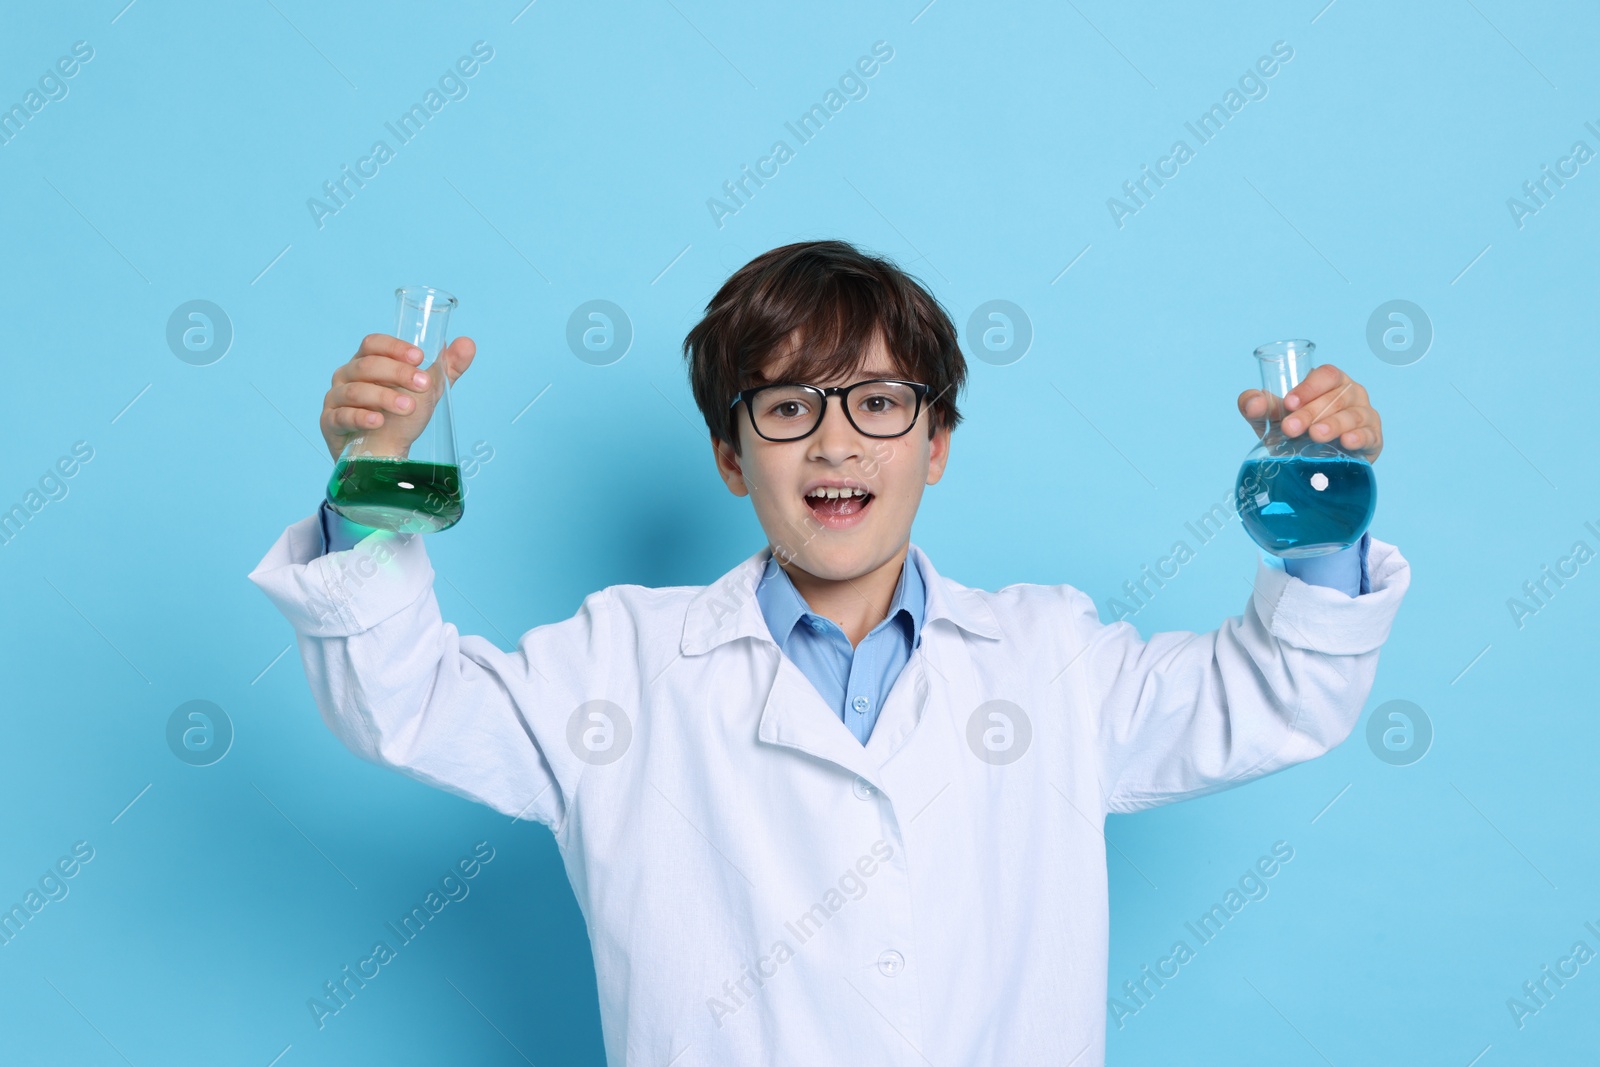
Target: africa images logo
[452, 85]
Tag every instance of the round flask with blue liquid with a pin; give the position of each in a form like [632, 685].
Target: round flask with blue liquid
[1298, 497]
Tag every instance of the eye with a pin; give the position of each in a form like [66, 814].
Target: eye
[878, 403]
[787, 409]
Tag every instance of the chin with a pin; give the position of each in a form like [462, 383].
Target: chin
[837, 557]
[837, 566]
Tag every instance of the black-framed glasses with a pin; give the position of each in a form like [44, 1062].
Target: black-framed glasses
[877, 407]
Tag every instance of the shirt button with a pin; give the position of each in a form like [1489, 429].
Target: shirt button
[861, 704]
[817, 625]
[863, 788]
[891, 963]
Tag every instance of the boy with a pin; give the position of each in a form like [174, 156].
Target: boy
[834, 807]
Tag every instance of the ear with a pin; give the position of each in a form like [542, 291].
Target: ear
[938, 453]
[729, 467]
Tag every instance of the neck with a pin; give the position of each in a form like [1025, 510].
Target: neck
[856, 604]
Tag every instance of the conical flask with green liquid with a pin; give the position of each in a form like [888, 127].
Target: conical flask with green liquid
[403, 476]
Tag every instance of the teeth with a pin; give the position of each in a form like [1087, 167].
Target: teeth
[830, 493]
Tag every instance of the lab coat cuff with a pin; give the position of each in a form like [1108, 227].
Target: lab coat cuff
[346, 592]
[1321, 619]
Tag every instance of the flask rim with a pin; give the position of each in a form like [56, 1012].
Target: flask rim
[417, 296]
[1278, 351]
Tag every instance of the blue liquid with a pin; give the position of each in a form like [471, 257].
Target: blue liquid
[1285, 512]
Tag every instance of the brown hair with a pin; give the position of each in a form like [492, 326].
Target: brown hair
[831, 299]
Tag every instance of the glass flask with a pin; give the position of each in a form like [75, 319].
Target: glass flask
[403, 476]
[1298, 497]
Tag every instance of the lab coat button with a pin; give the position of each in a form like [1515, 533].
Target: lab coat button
[891, 963]
[863, 789]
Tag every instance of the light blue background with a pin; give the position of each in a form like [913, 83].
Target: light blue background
[578, 168]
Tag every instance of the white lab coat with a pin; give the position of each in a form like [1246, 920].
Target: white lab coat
[761, 888]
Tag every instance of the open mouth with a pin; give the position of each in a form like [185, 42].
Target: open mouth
[838, 507]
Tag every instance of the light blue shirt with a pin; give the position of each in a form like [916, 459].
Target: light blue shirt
[853, 682]
[338, 532]
[1345, 570]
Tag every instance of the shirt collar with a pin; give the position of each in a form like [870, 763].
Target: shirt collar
[783, 607]
[727, 609]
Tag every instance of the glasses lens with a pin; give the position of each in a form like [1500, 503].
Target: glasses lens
[883, 409]
[785, 411]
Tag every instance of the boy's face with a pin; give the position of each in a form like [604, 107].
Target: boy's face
[837, 540]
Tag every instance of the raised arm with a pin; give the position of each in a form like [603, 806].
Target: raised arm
[403, 688]
[395, 682]
[1185, 714]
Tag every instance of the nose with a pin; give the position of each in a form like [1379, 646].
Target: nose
[835, 440]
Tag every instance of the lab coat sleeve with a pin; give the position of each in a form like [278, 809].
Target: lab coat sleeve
[1183, 714]
[402, 688]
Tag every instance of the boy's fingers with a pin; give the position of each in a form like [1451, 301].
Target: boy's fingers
[382, 344]
[1324, 379]
[1328, 405]
[382, 370]
[373, 398]
[1358, 429]
[1367, 440]
[1349, 395]
[349, 420]
[1332, 425]
[382, 377]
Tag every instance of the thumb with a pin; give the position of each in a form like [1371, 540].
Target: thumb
[1258, 404]
[458, 357]
[1261, 409]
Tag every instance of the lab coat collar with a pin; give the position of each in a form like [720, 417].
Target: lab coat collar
[726, 610]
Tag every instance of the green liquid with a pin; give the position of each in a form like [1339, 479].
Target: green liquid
[403, 495]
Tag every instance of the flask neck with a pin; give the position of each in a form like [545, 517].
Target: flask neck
[1284, 365]
[422, 318]
[1278, 377]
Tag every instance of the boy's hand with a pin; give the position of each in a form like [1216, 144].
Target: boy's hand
[381, 393]
[1328, 401]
